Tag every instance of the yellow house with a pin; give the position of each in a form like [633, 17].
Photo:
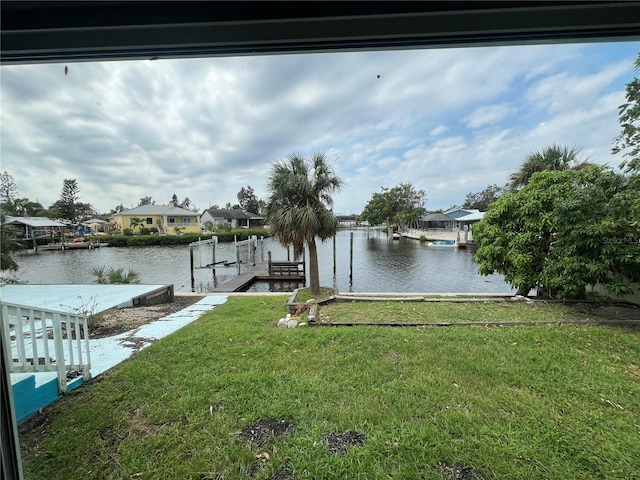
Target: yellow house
[167, 219]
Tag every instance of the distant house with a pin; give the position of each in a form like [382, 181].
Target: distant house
[32, 227]
[236, 217]
[456, 218]
[348, 220]
[167, 219]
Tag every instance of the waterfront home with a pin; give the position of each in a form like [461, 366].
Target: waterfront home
[455, 218]
[236, 217]
[163, 219]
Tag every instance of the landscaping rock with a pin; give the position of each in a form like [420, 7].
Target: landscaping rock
[282, 323]
[292, 324]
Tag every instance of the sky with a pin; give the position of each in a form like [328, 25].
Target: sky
[448, 121]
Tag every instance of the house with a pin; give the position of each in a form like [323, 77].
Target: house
[463, 218]
[236, 217]
[167, 219]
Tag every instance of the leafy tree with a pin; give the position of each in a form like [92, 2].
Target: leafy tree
[628, 140]
[23, 207]
[298, 209]
[117, 209]
[400, 205]
[8, 192]
[187, 204]
[145, 201]
[85, 211]
[554, 157]
[69, 197]
[8, 243]
[248, 200]
[563, 231]
[481, 200]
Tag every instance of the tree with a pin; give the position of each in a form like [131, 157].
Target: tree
[628, 141]
[563, 231]
[481, 200]
[8, 243]
[136, 222]
[146, 201]
[248, 200]
[298, 208]
[400, 205]
[117, 209]
[68, 199]
[174, 200]
[187, 204]
[554, 157]
[8, 192]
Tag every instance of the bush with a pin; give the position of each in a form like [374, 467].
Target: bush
[127, 231]
[107, 275]
[423, 239]
[144, 231]
[184, 239]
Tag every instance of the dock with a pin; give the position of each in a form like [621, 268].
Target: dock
[263, 272]
[457, 236]
[71, 246]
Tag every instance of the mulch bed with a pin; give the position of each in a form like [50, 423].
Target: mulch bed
[259, 433]
[339, 443]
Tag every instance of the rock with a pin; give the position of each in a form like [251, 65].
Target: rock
[288, 317]
[303, 324]
[282, 323]
[292, 324]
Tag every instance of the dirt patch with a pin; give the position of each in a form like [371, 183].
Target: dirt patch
[458, 472]
[120, 320]
[259, 433]
[339, 443]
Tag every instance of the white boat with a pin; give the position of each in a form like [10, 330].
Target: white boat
[396, 236]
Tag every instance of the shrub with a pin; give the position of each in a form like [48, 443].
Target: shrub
[108, 275]
[128, 232]
[144, 231]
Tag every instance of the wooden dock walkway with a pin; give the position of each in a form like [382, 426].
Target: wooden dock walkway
[258, 273]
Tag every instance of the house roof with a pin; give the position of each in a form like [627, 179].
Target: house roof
[435, 217]
[472, 217]
[94, 220]
[35, 221]
[159, 210]
[232, 213]
[460, 209]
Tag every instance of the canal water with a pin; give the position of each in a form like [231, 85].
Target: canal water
[379, 265]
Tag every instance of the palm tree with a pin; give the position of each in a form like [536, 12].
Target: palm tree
[136, 222]
[298, 209]
[554, 157]
[8, 243]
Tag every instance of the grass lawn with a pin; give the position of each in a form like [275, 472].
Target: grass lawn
[447, 312]
[527, 402]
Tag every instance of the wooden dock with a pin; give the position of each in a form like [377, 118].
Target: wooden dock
[279, 272]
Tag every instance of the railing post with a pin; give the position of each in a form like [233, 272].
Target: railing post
[57, 340]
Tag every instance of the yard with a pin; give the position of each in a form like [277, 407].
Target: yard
[233, 397]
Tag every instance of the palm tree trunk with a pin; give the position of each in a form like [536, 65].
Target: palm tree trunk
[314, 276]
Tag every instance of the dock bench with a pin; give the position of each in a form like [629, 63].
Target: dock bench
[288, 269]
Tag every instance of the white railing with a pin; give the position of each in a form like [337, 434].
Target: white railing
[43, 340]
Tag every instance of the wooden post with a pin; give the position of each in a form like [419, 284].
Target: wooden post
[193, 277]
[334, 255]
[237, 258]
[288, 254]
[269, 257]
[262, 248]
[351, 258]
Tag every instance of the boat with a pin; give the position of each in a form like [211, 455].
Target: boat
[396, 236]
[442, 243]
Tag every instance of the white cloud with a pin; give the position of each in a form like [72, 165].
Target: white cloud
[487, 115]
[444, 120]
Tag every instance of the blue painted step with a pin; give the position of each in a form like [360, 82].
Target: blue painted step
[30, 395]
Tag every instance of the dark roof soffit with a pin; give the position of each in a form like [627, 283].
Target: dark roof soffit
[35, 32]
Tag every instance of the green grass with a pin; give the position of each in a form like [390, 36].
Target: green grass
[304, 294]
[439, 312]
[528, 402]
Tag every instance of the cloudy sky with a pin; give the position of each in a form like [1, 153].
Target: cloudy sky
[448, 121]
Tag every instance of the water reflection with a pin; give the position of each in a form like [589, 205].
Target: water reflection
[379, 265]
